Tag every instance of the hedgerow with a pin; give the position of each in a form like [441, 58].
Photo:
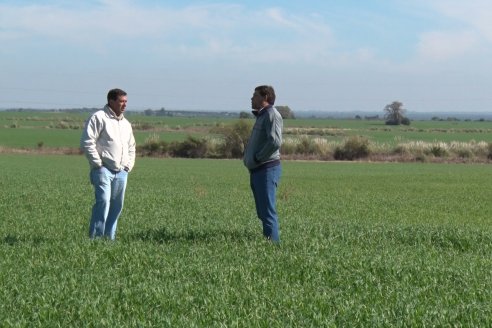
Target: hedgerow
[231, 142]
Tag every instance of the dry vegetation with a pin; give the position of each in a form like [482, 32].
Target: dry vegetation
[322, 140]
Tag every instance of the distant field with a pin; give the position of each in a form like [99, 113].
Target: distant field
[29, 129]
[38, 118]
[363, 245]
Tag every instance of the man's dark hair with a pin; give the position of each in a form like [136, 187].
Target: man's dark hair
[268, 92]
[114, 94]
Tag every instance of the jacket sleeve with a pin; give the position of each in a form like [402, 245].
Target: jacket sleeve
[90, 134]
[273, 129]
[131, 151]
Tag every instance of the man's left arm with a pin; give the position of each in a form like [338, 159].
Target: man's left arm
[131, 152]
[273, 128]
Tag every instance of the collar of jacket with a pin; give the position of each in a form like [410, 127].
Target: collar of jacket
[261, 111]
[112, 113]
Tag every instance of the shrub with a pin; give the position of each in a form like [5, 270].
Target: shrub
[480, 149]
[143, 126]
[245, 115]
[307, 146]
[392, 122]
[463, 149]
[192, 147]
[288, 146]
[400, 149]
[233, 146]
[62, 125]
[464, 153]
[153, 146]
[235, 138]
[214, 147]
[489, 155]
[354, 148]
[437, 150]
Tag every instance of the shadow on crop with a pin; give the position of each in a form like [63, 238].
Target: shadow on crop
[13, 240]
[458, 239]
[163, 236]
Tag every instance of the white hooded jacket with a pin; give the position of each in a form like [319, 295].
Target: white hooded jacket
[107, 140]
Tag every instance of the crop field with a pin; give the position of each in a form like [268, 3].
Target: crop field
[30, 130]
[363, 245]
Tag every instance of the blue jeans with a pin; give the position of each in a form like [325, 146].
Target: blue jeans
[109, 187]
[264, 186]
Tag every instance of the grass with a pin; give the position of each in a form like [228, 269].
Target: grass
[395, 137]
[39, 118]
[363, 244]
[54, 138]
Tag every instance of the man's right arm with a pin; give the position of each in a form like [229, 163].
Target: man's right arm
[90, 134]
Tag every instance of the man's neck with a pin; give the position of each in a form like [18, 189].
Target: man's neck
[257, 112]
[114, 112]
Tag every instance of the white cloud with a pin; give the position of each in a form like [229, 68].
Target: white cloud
[107, 20]
[361, 53]
[475, 14]
[198, 30]
[278, 17]
[440, 45]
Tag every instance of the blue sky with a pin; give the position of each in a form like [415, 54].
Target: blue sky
[432, 55]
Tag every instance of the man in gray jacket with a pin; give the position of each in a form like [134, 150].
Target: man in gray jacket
[262, 158]
[109, 145]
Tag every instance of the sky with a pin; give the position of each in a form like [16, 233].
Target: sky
[319, 55]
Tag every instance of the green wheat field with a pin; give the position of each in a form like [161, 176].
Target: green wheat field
[363, 245]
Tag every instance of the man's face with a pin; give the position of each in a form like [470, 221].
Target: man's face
[257, 101]
[118, 106]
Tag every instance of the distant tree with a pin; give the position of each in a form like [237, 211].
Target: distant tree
[245, 115]
[161, 112]
[394, 113]
[405, 121]
[285, 112]
[357, 117]
[148, 112]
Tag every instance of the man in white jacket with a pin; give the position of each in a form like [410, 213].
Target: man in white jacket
[108, 143]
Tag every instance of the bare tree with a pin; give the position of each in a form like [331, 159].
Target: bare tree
[394, 113]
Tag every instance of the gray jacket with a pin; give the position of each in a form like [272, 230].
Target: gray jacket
[265, 140]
